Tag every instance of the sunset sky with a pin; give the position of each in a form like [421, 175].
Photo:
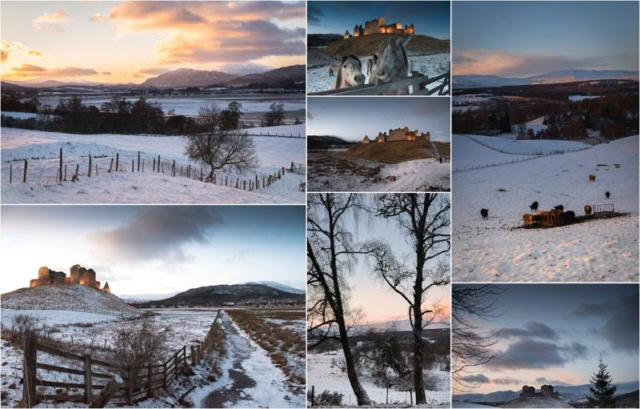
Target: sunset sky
[555, 333]
[121, 42]
[155, 249]
[524, 38]
[353, 118]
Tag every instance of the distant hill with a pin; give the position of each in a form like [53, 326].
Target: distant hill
[368, 45]
[278, 286]
[391, 152]
[10, 87]
[188, 77]
[628, 400]
[322, 40]
[66, 298]
[293, 73]
[315, 142]
[479, 81]
[235, 293]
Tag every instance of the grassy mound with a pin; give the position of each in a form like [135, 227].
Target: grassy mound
[368, 45]
[391, 152]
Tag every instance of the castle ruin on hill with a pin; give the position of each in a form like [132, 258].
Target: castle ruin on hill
[380, 26]
[78, 275]
[399, 134]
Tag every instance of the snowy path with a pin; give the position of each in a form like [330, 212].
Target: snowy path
[252, 380]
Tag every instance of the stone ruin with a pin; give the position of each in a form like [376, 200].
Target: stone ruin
[399, 134]
[545, 391]
[78, 275]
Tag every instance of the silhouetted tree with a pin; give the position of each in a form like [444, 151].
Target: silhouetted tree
[602, 391]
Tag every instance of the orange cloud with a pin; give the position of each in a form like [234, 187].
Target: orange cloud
[98, 17]
[484, 62]
[30, 71]
[19, 48]
[220, 32]
[51, 21]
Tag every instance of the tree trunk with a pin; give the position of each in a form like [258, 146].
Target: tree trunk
[418, 351]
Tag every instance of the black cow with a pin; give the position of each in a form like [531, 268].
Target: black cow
[569, 217]
[484, 213]
[559, 207]
[534, 206]
[607, 194]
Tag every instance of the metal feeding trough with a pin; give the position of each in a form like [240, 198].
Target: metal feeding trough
[551, 218]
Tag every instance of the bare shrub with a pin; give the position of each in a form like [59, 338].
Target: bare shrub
[331, 399]
[139, 344]
[22, 324]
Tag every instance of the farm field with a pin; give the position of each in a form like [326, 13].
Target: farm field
[497, 250]
[41, 149]
[264, 383]
[334, 171]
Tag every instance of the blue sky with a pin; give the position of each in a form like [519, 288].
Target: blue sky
[353, 118]
[431, 18]
[528, 38]
[558, 331]
[183, 246]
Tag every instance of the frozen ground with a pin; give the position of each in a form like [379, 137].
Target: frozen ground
[42, 149]
[598, 250]
[189, 106]
[251, 378]
[324, 375]
[335, 172]
[318, 79]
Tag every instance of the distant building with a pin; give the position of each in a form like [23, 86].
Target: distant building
[347, 35]
[400, 134]
[380, 26]
[78, 275]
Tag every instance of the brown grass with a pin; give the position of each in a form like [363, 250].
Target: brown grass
[391, 152]
[368, 45]
[444, 148]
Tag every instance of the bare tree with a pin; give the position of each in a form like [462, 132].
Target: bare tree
[218, 146]
[425, 218]
[331, 255]
[470, 346]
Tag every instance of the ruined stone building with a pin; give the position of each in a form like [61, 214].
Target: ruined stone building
[78, 275]
[380, 26]
[399, 134]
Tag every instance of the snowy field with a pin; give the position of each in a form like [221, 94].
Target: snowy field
[324, 375]
[318, 79]
[42, 149]
[189, 106]
[598, 250]
[575, 98]
[336, 172]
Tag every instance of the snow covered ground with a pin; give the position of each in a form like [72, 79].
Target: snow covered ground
[19, 115]
[42, 149]
[324, 375]
[335, 172]
[189, 106]
[598, 250]
[318, 79]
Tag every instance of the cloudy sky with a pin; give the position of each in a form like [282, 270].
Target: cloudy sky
[520, 39]
[429, 17]
[554, 334]
[155, 249]
[353, 118]
[119, 42]
[375, 298]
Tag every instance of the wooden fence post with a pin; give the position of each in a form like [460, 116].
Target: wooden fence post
[10, 174]
[87, 378]
[175, 364]
[117, 161]
[158, 163]
[132, 168]
[154, 164]
[149, 380]
[77, 170]
[143, 165]
[29, 370]
[173, 169]
[65, 173]
[164, 375]
[244, 185]
[184, 356]
[111, 166]
[130, 386]
[193, 355]
[257, 182]
[89, 172]
[313, 395]
[138, 161]
[60, 165]
[26, 165]
[237, 181]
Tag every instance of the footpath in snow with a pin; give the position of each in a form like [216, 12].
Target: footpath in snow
[249, 377]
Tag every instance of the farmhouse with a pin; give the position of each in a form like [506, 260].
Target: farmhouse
[78, 275]
[399, 134]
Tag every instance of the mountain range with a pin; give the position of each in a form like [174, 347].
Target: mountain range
[188, 77]
[477, 81]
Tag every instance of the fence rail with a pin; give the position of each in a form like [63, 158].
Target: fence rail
[419, 83]
[138, 384]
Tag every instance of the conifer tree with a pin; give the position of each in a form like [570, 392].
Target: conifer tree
[601, 390]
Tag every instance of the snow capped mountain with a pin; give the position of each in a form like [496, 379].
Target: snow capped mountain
[278, 286]
[475, 81]
[188, 77]
[293, 73]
